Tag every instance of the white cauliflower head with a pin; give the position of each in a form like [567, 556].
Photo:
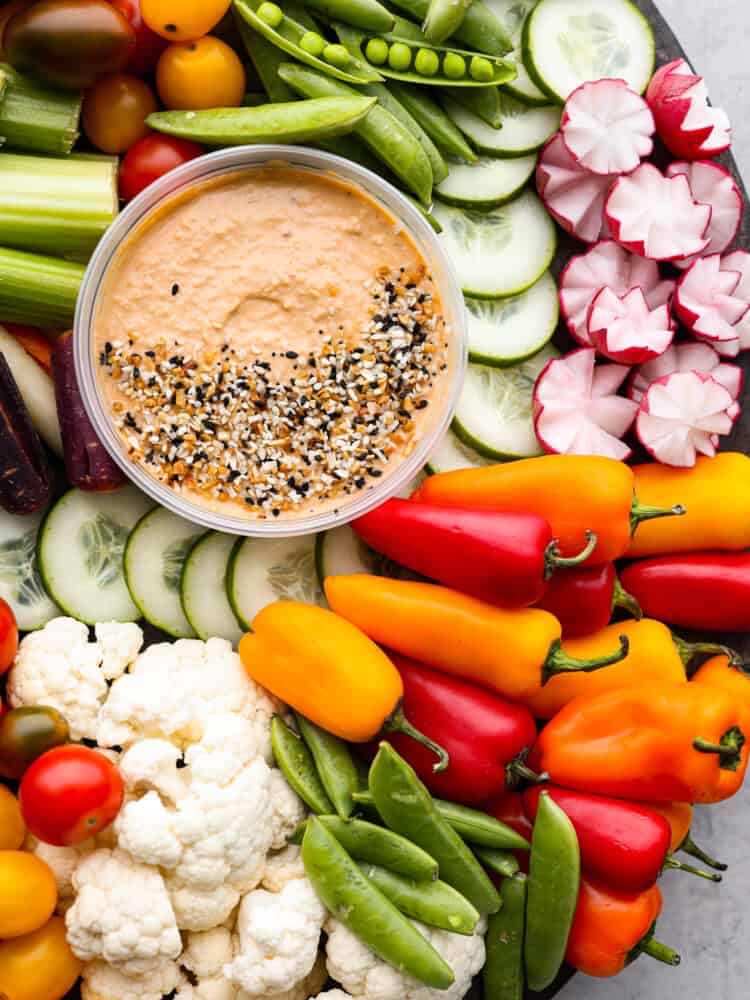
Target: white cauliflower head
[120, 644]
[102, 981]
[288, 810]
[203, 959]
[282, 867]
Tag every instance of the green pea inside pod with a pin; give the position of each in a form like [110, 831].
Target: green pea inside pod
[480, 69]
[271, 13]
[454, 66]
[399, 57]
[336, 55]
[25, 734]
[313, 43]
[376, 51]
[426, 62]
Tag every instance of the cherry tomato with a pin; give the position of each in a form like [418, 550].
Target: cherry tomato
[6, 13]
[183, 20]
[148, 45]
[203, 74]
[12, 826]
[69, 794]
[152, 157]
[8, 636]
[25, 734]
[115, 112]
[40, 965]
[69, 43]
[28, 893]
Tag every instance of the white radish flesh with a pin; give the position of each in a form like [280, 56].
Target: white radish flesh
[706, 303]
[688, 125]
[607, 127]
[689, 356]
[712, 185]
[572, 195]
[624, 329]
[739, 261]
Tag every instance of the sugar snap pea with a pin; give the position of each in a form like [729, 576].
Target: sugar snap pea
[484, 102]
[444, 18]
[503, 862]
[366, 912]
[435, 903]
[407, 807]
[436, 123]
[480, 29]
[388, 139]
[266, 59]
[554, 881]
[503, 969]
[350, 148]
[367, 14]
[334, 765]
[298, 767]
[377, 845]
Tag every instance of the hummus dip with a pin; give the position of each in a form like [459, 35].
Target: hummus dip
[269, 344]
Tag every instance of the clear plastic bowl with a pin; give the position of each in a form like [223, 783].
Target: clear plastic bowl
[212, 166]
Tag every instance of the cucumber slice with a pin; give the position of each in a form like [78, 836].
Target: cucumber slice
[485, 184]
[522, 131]
[341, 552]
[154, 559]
[20, 580]
[508, 331]
[81, 545]
[512, 15]
[203, 588]
[451, 454]
[502, 252]
[567, 42]
[495, 412]
[481, 101]
[262, 571]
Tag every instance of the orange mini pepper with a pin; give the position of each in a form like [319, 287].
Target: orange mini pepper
[657, 741]
[719, 674]
[612, 928]
[575, 493]
[512, 651]
[716, 495]
[679, 815]
[329, 671]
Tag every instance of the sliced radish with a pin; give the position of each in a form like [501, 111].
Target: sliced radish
[572, 195]
[713, 185]
[690, 356]
[655, 216]
[607, 265]
[607, 127]
[682, 415]
[687, 124]
[706, 303]
[577, 410]
[624, 329]
[739, 261]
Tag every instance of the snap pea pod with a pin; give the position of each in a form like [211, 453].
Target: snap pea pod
[435, 903]
[554, 881]
[474, 826]
[434, 224]
[388, 139]
[334, 765]
[480, 29]
[366, 14]
[503, 969]
[444, 18]
[350, 148]
[366, 912]
[255, 99]
[266, 58]
[484, 102]
[298, 767]
[288, 34]
[407, 807]
[377, 845]
[296, 121]
[436, 123]
[502, 862]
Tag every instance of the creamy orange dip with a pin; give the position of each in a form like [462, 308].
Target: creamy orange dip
[270, 343]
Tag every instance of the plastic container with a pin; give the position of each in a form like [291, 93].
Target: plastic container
[229, 161]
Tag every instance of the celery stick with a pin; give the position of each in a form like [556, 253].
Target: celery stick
[38, 290]
[37, 119]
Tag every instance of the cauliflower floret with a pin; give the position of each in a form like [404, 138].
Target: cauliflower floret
[332, 995]
[363, 974]
[102, 981]
[305, 988]
[152, 765]
[59, 667]
[288, 809]
[63, 862]
[204, 958]
[120, 643]
[201, 909]
[121, 914]
[278, 935]
[144, 829]
[283, 867]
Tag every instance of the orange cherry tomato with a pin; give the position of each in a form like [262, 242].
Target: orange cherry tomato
[202, 74]
[12, 826]
[183, 20]
[40, 965]
[8, 637]
[28, 893]
[115, 110]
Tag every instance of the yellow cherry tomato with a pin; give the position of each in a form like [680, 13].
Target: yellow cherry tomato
[115, 110]
[40, 965]
[12, 826]
[183, 20]
[205, 73]
[28, 894]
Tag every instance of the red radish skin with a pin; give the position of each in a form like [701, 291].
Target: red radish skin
[624, 329]
[712, 185]
[689, 356]
[739, 261]
[607, 127]
[687, 125]
[573, 196]
[706, 303]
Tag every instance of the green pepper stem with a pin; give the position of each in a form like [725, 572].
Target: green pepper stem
[689, 650]
[639, 512]
[689, 846]
[558, 661]
[728, 750]
[655, 949]
[622, 599]
[553, 560]
[671, 864]
[398, 723]
[518, 771]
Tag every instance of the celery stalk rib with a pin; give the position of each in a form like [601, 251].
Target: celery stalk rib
[37, 119]
[38, 290]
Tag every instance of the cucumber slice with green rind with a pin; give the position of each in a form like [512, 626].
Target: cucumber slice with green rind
[154, 559]
[452, 454]
[522, 131]
[512, 15]
[263, 570]
[20, 580]
[499, 253]
[81, 546]
[203, 588]
[504, 332]
[341, 552]
[495, 412]
[485, 184]
[568, 42]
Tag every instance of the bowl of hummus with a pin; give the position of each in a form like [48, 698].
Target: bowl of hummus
[270, 341]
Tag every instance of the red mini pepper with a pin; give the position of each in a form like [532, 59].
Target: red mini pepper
[503, 558]
[508, 808]
[702, 590]
[583, 598]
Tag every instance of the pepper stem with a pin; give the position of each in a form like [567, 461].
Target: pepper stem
[398, 723]
[639, 512]
[690, 847]
[622, 599]
[553, 560]
[558, 661]
[518, 771]
[689, 650]
[728, 750]
[655, 949]
[671, 864]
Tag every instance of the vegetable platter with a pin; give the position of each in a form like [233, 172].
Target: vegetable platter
[311, 773]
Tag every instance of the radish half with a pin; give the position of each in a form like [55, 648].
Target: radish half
[690, 356]
[607, 127]
[739, 261]
[687, 124]
[713, 185]
[706, 303]
[624, 328]
[572, 195]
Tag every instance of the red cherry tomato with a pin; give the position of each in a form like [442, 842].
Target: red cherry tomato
[148, 45]
[152, 157]
[8, 636]
[69, 794]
